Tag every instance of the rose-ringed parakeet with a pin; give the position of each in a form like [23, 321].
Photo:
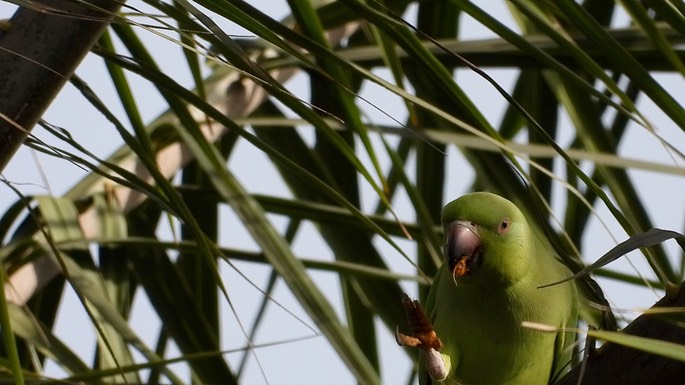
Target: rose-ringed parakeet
[495, 262]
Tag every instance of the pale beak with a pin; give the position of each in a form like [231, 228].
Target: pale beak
[462, 247]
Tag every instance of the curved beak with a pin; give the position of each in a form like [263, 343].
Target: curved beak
[462, 247]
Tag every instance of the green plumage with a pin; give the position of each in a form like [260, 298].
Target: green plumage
[478, 315]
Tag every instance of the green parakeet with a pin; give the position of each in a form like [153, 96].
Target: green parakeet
[495, 262]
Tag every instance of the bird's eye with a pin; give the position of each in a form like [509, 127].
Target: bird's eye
[504, 226]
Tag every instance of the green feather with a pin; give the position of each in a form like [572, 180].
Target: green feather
[478, 315]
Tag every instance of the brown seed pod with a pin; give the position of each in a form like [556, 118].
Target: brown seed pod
[462, 266]
[424, 336]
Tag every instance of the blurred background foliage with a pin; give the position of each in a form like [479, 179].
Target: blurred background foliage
[360, 119]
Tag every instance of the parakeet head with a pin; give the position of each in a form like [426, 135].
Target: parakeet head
[487, 240]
